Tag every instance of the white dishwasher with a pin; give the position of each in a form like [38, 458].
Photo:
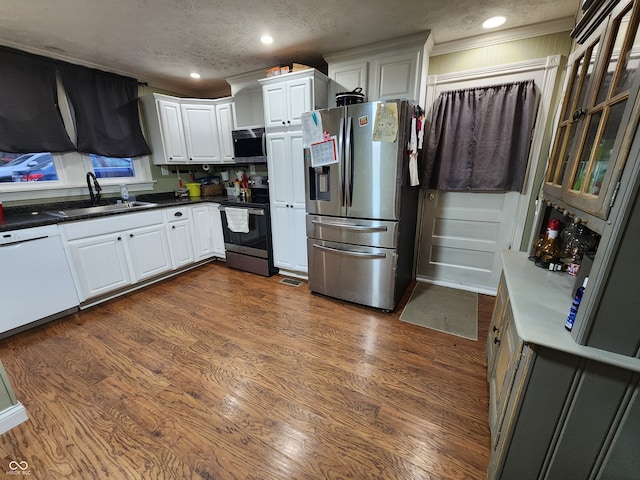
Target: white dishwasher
[36, 281]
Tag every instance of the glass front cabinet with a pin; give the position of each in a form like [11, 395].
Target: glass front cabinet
[599, 114]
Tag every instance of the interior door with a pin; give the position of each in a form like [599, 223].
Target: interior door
[462, 233]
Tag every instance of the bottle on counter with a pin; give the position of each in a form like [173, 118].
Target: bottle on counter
[548, 255]
[124, 193]
[573, 311]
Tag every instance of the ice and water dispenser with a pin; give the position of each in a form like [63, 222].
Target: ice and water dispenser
[319, 180]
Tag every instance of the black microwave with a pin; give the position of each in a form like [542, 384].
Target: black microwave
[249, 145]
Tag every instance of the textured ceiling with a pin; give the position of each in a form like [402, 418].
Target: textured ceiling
[162, 41]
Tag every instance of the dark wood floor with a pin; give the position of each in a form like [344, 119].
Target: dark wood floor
[220, 374]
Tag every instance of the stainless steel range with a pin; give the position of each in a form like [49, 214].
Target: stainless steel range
[246, 224]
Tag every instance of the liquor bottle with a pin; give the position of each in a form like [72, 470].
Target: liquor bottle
[573, 311]
[549, 253]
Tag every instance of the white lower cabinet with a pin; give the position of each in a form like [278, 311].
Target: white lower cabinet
[114, 252]
[217, 233]
[180, 236]
[208, 239]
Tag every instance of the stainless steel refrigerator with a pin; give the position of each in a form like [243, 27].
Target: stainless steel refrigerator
[361, 209]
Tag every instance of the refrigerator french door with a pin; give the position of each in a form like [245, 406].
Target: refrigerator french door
[361, 212]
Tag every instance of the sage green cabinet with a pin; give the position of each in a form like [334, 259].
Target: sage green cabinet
[561, 410]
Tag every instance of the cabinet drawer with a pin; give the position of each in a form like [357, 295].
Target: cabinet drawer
[114, 223]
[175, 214]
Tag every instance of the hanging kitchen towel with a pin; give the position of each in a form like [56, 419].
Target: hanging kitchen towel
[413, 155]
[237, 219]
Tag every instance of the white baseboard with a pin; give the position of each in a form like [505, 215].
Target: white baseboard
[12, 417]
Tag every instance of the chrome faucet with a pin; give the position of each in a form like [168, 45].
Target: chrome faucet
[95, 197]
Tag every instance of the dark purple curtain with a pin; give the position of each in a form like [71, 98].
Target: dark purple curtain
[30, 120]
[105, 108]
[479, 138]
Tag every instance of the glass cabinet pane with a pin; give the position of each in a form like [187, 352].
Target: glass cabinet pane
[618, 59]
[592, 55]
[630, 61]
[583, 163]
[602, 153]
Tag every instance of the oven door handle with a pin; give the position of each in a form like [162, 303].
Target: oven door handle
[359, 228]
[349, 253]
[252, 211]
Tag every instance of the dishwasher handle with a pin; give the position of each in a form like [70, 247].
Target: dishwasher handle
[16, 242]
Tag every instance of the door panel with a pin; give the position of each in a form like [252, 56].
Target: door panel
[372, 176]
[363, 275]
[325, 185]
[462, 235]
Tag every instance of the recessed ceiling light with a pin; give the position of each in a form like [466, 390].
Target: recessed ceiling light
[494, 22]
[266, 39]
[195, 75]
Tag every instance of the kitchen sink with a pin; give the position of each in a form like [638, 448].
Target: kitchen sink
[114, 207]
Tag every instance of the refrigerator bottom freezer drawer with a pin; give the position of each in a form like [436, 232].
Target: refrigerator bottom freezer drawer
[363, 275]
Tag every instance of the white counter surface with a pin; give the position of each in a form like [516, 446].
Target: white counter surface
[540, 301]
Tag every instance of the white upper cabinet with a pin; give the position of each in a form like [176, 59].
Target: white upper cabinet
[385, 71]
[288, 96]
[188, 130]
[172, 133]
[201, 132]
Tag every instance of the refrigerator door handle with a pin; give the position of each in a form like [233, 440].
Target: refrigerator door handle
[349, 158]
[264, 144]
[360, 228]
[349, 253]
[343, 168]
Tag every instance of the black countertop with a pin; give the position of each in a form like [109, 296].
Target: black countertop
[28, 216]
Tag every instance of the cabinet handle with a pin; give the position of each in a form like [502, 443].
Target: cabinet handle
[119, 238]
[173, 226]
[496, 341]
[177, 214]
[288, 121]
[283, 122]
[131, 235]
[495, 329]
[578, 113]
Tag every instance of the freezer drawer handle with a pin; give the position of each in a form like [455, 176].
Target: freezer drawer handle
[360, 228]
[351, 254]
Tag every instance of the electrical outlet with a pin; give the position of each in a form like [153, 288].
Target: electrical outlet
[164, 171]
[252, 169]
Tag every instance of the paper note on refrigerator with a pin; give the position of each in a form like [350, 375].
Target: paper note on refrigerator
[324, 153]
[311, 128]
[385, 127]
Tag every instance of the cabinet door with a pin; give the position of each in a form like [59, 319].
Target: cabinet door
[279, 166]
[202, 228]
[283, 237]
[217, 234]
[497, 325]
[224, 116]
[299, 99]
[396, 76]
[149, 251]
[608, 127]
[179, 233]
[349, 76]
[507, 357]
[172, 131]
[275, 105]
[100, 263]
[201, 133]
